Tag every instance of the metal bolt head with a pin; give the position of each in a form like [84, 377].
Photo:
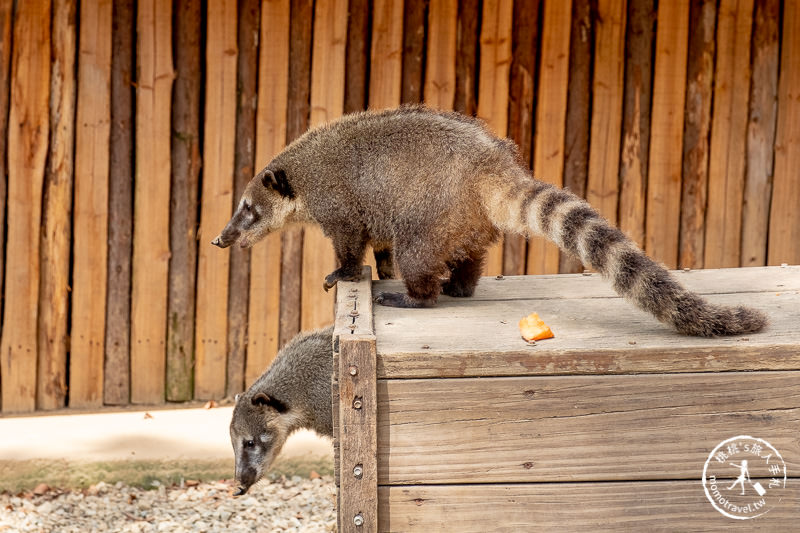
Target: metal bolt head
[358, 471]
[353, 370]
[358, 520]
[357, 403]
[353, 313]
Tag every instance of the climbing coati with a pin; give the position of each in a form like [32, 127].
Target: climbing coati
[294, 393]
[438, 188]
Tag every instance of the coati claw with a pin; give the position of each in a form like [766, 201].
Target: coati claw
[328, 285]
[240, 491]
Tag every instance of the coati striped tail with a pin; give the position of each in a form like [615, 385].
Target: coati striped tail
[577, 228]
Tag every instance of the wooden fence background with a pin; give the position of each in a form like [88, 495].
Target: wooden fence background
[129, 128]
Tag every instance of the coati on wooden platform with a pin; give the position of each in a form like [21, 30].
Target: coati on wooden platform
[293, 393]
[438, 188]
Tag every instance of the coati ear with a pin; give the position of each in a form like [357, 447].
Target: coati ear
[263, 400]
[277, 180]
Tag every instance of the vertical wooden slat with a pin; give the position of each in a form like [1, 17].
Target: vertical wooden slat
[697, 128]
[6, 11]
[728, 134]
[91, 205]
[386, 61]
[440, 65]
[219, 140]
[579, 98]
[327, 104]
[548, 158]
[493, 82]
[761, 132]
[116, 373]
[357, 62]
[469, 14]
[522, 90]
[186, 164]
[151, 205]
[244, 169]
[784, 218]
[636, 117]
[414, 16]
[27, 151]
[666, 136]
[265, 257]
[607, 88]
[56, 224]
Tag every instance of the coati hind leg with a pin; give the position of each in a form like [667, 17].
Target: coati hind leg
[464, 276]
[383, 260]
[421, 277]
[350, 248]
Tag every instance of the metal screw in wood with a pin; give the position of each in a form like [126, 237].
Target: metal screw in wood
[353, 370]
[358, 471]
[358, 520]
[357, 402]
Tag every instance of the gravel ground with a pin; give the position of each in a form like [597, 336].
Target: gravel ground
[294, 504]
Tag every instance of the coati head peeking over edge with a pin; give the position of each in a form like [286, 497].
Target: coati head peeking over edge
[268, 204]
[294, 393]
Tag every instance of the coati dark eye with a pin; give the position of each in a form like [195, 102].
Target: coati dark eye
[249, 443]
[247, 206]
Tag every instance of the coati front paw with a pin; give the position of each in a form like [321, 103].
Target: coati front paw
[399, 299]
[336, 276]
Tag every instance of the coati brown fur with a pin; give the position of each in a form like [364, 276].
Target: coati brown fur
[438, 188]
[294, 393]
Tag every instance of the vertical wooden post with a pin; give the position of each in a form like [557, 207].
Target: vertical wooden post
[607, 87]
[116, 372]
[185, 180]
[28, 128]
[728, 134]
[548, 158]
[467, 56]
[56, 220]
[696, 131]
[636, 117]
[91, 205]
[244, 169]
[579, 98]
[265, 258]
[414, 17]
[211, 327]
[440, 68]
[386, 61]
[6, 14]
[666, 137]
[761, 132]
[357, 62]
[327, 104]
[151, 206]
[784, 219]
[493, 82]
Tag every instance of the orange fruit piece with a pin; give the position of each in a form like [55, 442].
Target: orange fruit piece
[533, 328]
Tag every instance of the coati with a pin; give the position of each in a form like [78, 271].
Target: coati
[293, 393]
[437, 188]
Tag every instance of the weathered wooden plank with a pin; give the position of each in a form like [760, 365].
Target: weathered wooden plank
[440, 62]
[522, 90]
[569, 428]
[607, 89]
[51, 372]
[629, 506]
[354, 314]
[761, 132]
[666, 134]
[493, 82]
[358, 468]
[636, 117]
[28, 128]
[386, 60]
[219, 143]
[116, 373]
[697, 130]
[265, 258]
[327, 104]
[579, 97]
[784, 219]
[186, 155]
[726, 167]
[548, 158]
[244, 155]
[6, 12]
[357, 62]
[151, 206]
[466, 56]
[415, 13]
[90, 249]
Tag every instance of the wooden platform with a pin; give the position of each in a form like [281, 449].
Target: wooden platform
[446, 420]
